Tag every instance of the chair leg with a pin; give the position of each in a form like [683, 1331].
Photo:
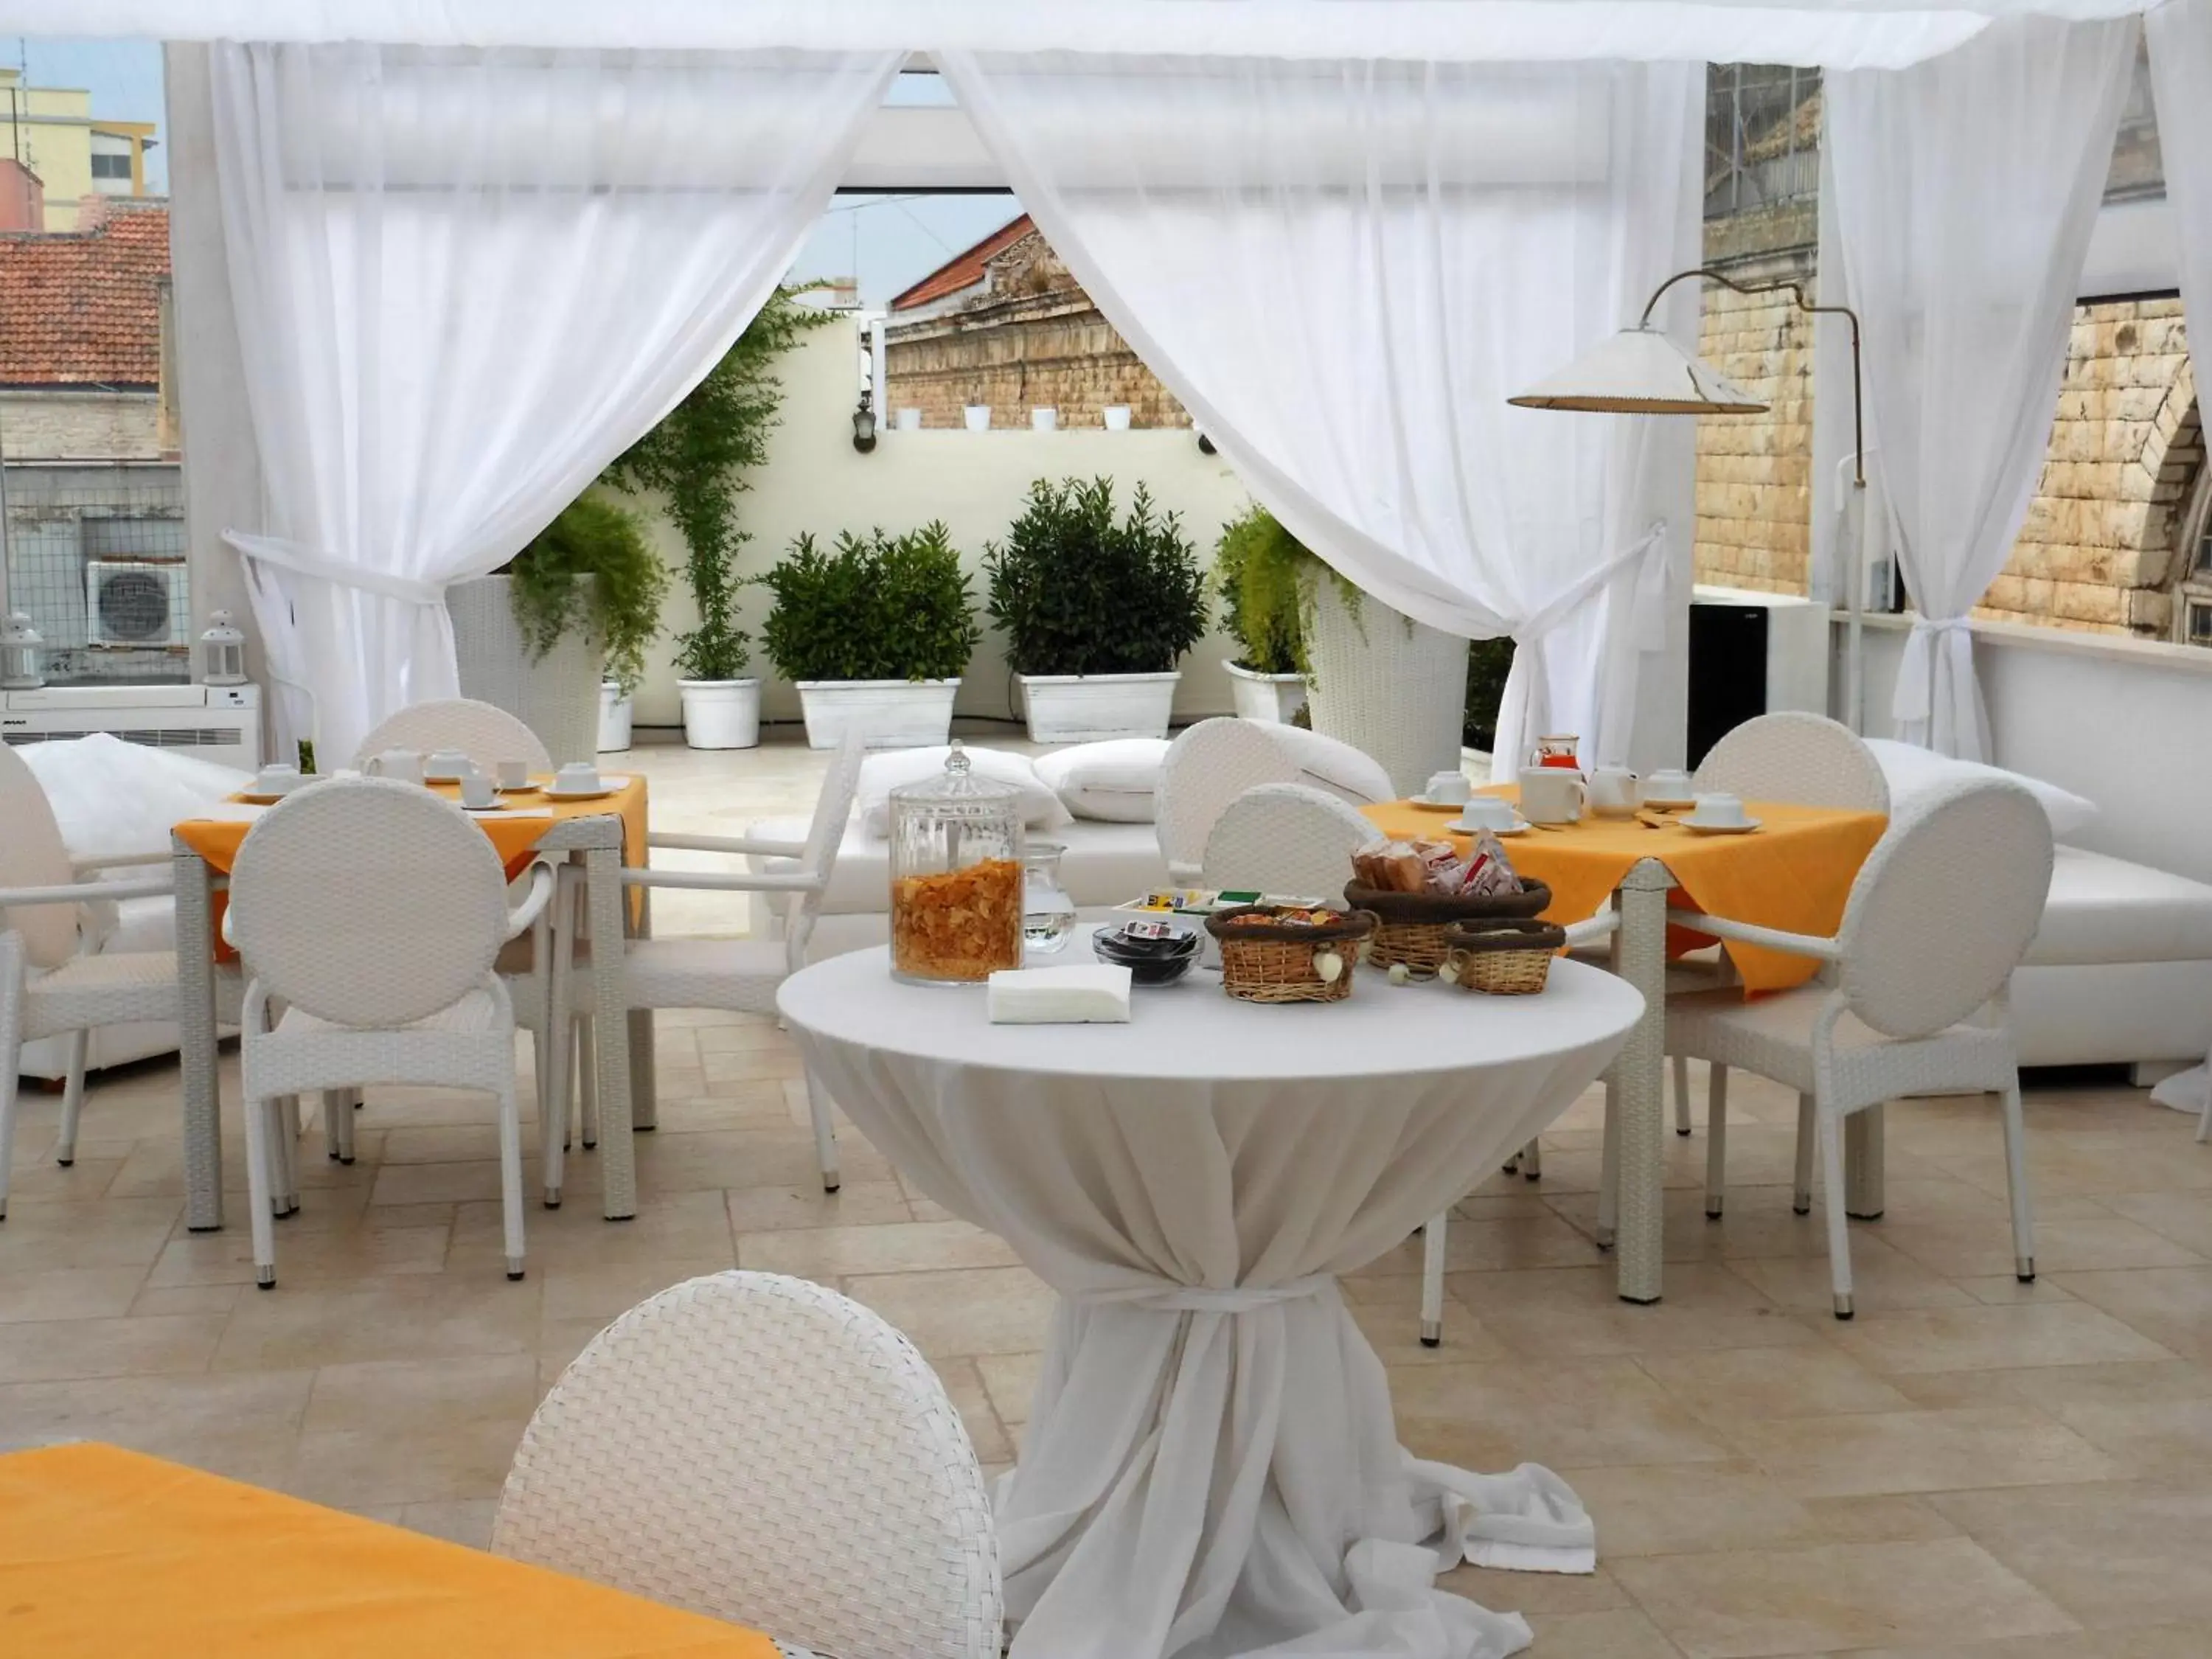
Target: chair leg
[556, 1047]
[1682, 1094]
[72, 1098]
[1532, 1161]
[2204, 1123]
[1433, 1278]
[284, 1164]
[587, 1082]
[11, 1056]
[1800, 1192]
[1715, 1140]
[334, 1102]
[1608, 1176]
[2023, 1203]
[1831, 1189]
[260, 1195]
[825, 1135]
[510, 1175]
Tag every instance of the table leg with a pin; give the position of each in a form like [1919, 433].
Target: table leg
[196, 1046]
[603, 895]
[1638, 1106]
[644, 1098]
[1863, 1164]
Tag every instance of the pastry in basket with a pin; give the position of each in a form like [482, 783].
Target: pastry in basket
[1411, 924]
[1288, 953]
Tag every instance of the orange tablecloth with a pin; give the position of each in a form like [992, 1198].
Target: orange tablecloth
[1793, 872]
[217, 840]
[108, 1554]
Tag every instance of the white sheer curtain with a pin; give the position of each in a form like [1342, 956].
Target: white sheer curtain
[1965, 190]
[465, 280]
[2181, 34]
[1344, 269]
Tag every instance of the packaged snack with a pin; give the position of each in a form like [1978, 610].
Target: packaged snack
[1489, 872]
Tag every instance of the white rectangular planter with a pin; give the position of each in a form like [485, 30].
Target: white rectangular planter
[894, 713]
[1091, 708]
[1273, 698]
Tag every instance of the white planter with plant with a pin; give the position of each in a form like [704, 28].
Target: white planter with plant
[877, 633]
[1097, 611]
[1389, 686]
[1256, 567]
[615, 710]
[579, 603]
[720, 714]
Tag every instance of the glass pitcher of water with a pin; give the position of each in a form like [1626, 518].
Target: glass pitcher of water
[1047, 912]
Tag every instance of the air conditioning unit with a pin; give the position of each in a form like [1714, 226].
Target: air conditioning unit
[136, 602]
[221, 723]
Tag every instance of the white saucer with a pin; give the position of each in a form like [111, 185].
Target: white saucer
[1519, 826]
[442, 777]
[518, 788]
[1423, 804]
[494, 807]
[1661, 803]
[603, 790]
[1745, 828]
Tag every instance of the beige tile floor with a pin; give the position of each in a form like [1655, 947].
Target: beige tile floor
[1973, 1468]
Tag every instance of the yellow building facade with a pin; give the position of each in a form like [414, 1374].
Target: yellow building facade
[53, 132]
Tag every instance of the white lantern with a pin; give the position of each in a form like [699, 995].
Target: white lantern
[222, 652]
[20, 649]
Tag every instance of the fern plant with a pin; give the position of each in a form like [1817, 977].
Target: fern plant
[1078, 591]
[874, 607]
[1258, 567]
[619, 607]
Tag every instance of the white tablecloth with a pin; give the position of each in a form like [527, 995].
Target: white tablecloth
[1211, 1466]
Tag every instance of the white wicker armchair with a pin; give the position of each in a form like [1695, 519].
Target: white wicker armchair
[740, 976]
[486, 734]
[53, 981]
[763, 1450]
[1207, 767]
[1914, 1003]
[1287, 838]
[374, 911]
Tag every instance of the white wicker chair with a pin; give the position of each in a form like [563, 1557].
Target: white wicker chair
[763, 1450]
[740, 975]
[486, 734]
[374, 910]
[53, 980]
[1914, 1002]
[1207, 767]
[1792, 756]
[1287, 838]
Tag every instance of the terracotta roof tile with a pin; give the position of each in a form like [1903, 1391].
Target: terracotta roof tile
[83, 309]
[963, 269]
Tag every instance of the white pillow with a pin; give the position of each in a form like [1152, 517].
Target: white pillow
[1116, 781]
[1911, 770]
[881, 774]
[1331, 764]
[116, 799]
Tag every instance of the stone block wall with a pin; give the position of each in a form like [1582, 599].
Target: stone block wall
[70, 425]
[1048, 350]
[1754, 471]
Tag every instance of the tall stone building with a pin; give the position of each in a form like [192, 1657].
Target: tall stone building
[1005, 324]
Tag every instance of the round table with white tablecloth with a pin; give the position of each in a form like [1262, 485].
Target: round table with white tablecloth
[1211, 1466]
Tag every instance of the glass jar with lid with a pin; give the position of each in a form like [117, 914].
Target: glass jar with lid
[956, 877]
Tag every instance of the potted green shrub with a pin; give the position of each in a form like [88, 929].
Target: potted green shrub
[876, 631]
[1097, 611]
[1257, 568]
[567, 617]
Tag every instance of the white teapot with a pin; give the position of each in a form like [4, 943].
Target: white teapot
[1614, 792]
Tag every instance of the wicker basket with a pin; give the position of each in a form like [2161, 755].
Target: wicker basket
[1504, 958]
[1262, 964]
[1413, 928]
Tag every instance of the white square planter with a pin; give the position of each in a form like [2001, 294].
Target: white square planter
[1091, 708]
[893, 714]
[1273, 698]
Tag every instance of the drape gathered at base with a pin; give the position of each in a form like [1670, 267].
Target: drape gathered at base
[1965, 188]
[464, 280]
[1344, 269]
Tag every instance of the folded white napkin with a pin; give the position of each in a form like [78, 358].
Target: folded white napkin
[1084, 995]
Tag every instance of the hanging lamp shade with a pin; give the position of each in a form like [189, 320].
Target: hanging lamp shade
[1639, 371]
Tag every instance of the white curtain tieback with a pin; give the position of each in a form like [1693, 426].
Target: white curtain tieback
[1651, 586]
[1232, 1299]
[308, 562]
[1915, 696]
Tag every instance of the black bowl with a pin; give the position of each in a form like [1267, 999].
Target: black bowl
[1150, 961]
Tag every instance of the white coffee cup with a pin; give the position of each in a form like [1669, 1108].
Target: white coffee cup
[512, 774]
[1720, 811]
[576, 778]
[447, 765]
[1486, 812]
[276, 779]
[1614, 792]
[1552, 794]
[477, 789]
[1668, 783]
[403, 764]
[1449, 787]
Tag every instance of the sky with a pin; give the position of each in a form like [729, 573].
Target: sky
[889, 242]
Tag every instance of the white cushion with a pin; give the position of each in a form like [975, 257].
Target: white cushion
[1349, 774]
[881, 774]
[2106, 909]
[1116, 781]
[1910, 770]
[116, 799]
[1106, 863]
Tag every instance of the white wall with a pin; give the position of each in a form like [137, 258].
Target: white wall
[815, 480]
[2127, 723]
